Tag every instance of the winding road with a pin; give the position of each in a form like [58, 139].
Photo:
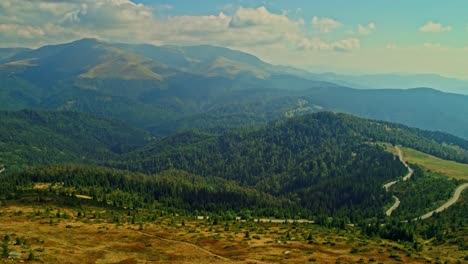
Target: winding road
[394, 206]
[452, 201]
[388, 185]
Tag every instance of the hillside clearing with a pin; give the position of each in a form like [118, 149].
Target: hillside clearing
[449, 168]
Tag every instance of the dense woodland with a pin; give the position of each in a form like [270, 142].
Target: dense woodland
[33, 137]
[298, 158]
[325, 167]
[415, 197]
[191, 131]
[169, 189]
[322, 164]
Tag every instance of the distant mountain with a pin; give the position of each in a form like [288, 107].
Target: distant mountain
[398, 81]
[6, 53]
[423, 108]
[168, 88]
[153, 86]
[204, 59]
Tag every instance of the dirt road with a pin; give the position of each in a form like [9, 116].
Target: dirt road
[449, 203]
[452, 201]
[390, 184]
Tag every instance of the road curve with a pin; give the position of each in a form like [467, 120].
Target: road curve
[410, 170]
[390, 184]
[394, 206]
[452, 201]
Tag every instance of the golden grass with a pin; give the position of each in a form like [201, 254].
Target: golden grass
[41, 186]
[233, 68]
[74, 241]
[28, 62]
[122, 69]
[86, 197]
[71, 241]
[124, 66]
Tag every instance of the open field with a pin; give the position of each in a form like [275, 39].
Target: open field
[449, 168]
[57, 227]
[73, 239]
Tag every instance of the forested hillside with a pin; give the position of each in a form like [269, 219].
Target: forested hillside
[292, 160]
[31, 137]
[174, 189]
[303, 131]
[234, 131]
[298, 158]
[167, 89]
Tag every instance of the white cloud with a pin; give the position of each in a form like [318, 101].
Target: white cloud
[434, 27]
[275, 37]
[34, 23]
[26, 32]
[247, 17]
[325, 24]
[341, 45]
[366, 29]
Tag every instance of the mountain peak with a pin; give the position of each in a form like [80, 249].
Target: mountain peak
[87, 41]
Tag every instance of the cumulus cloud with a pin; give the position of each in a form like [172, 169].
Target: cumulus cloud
[35, 23]
[366, 29]
[25, 32]
[325, 24]
[434, 27]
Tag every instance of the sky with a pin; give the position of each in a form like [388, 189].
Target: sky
[358, 36]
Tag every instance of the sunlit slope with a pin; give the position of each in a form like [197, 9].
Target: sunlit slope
[450, 168]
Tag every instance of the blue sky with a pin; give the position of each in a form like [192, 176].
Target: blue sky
[399, 20]
[359, 36]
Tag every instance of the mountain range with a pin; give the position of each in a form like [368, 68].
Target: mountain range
[212, 129]
[395, 81]
[165, 89]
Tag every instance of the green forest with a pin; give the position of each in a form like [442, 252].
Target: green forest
[312, 166]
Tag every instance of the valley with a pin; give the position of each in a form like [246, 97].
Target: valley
[129, 153]
[166, 89]
[456, 194]
[143, 202]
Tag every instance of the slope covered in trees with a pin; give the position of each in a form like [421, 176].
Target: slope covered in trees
[318, 164]
[298, 158]
[301, 157]
[32, 137]
[174, 189]
[167, 89]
